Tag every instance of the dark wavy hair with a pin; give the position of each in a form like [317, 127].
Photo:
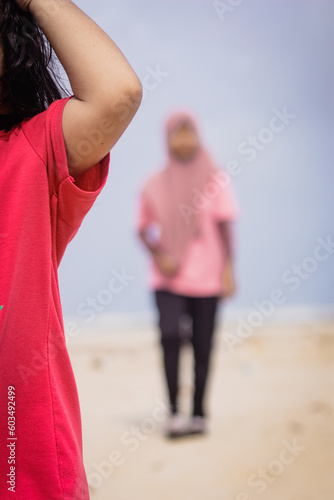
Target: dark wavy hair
[29, 82]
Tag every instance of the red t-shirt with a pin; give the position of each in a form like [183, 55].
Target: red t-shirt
[41, 209]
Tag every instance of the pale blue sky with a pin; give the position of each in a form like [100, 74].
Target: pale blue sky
[233, 73]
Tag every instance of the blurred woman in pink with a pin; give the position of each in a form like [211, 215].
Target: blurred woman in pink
[185, 219]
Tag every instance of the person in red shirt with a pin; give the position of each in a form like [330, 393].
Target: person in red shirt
[54, 157]
[186, 214]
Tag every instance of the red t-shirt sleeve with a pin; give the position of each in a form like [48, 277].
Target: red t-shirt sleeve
[70, 199]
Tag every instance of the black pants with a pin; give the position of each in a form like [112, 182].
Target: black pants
[173, 310]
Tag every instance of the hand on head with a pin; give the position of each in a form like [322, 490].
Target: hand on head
[23, 4]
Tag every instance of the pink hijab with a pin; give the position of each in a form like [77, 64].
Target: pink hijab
[174, 194]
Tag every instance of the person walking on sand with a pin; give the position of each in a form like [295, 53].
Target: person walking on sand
[185, 221]
[54, 157]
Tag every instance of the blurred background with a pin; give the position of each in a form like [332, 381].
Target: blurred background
[237, 65]
[259, 75]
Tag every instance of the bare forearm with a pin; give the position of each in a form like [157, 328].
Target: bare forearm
[95, 66]
[227, 237]
[101, 80]
[228, 278]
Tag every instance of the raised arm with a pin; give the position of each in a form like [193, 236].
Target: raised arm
[107, 92]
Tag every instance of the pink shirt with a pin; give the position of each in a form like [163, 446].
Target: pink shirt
[42, 208]
[200, 274]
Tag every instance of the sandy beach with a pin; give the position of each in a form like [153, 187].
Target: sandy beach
[271, 403]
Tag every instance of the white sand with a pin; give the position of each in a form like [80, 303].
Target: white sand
[274, 392]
